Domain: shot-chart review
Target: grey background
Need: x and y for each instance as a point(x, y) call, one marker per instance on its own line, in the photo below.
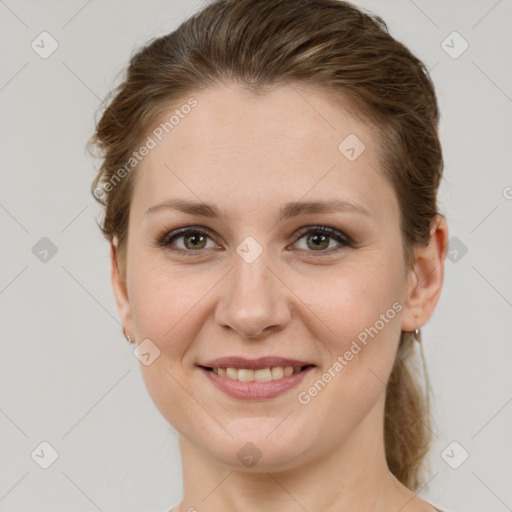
point(68, 377)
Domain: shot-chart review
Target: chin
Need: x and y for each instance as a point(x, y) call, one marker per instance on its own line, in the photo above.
point(259, 444)
point(260, 457)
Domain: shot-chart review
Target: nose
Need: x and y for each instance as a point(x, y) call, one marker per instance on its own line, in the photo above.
point(254, 301)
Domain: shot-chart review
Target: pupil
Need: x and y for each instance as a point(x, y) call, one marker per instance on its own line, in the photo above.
point(193, 238)
point(319, 237)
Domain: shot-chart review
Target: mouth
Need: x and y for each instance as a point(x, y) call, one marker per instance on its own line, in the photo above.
point(255, 380)
point(259, 375)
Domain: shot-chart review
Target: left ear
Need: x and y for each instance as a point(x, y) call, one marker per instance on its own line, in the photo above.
point(426, 277)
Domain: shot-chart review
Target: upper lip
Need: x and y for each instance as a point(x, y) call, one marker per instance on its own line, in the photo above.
point(253, 364)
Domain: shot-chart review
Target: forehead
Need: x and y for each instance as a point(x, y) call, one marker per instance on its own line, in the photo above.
point(238, 147)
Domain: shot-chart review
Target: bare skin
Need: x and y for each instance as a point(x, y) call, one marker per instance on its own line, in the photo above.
point(249, 155)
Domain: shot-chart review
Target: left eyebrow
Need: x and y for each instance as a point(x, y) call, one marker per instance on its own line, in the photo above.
point(288, 211)
point(296, 208)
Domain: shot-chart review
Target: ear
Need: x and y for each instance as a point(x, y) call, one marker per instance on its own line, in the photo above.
point(426, 277)
point(118, 279)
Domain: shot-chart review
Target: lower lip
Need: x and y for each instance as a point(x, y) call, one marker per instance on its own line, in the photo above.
point(255, 390)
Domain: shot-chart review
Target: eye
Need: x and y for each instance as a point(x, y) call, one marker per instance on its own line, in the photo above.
point(186, 241)
point(319, 238)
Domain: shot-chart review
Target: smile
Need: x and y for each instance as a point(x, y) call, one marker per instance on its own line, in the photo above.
point(259, 384)
point(261, 375)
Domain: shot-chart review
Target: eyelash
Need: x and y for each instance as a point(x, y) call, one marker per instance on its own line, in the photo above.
point(165, 240)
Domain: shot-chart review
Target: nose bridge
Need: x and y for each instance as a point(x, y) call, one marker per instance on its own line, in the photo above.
point(255, 301)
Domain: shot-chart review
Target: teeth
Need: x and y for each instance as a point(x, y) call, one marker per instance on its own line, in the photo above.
point(232, 373)
point(245, 375)
point(288, 370)
point(261, 375)
point(277, 373)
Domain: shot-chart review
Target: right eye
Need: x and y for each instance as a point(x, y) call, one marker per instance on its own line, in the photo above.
point(193, 240)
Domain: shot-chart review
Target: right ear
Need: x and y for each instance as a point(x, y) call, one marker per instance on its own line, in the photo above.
point(118, 279)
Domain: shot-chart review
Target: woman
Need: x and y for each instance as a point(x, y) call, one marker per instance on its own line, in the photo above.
point(269, 178)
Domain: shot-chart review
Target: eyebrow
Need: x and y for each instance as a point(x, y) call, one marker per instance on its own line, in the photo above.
point(288, 211)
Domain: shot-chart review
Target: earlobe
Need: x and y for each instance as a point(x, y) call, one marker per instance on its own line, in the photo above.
point(426, 278)
point(118, 279)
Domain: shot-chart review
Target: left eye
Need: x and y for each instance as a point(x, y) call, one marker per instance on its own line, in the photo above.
point(319, 238)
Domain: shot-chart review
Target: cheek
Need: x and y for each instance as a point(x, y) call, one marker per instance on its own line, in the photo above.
point(355, 297)
point(360, 309)
point(166, 308)
point(166, 302)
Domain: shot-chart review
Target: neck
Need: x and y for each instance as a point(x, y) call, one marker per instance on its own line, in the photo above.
point(352, 476)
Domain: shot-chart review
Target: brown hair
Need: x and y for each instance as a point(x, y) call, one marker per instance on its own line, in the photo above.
point(331, 45)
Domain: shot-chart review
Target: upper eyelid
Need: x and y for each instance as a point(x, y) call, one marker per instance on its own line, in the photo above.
point(180, 232)
point(321, 228)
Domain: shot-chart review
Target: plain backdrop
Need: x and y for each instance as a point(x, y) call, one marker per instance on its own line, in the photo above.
point(68, 378)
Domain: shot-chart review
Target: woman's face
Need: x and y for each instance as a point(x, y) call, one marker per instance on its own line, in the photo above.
point(264, 279)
